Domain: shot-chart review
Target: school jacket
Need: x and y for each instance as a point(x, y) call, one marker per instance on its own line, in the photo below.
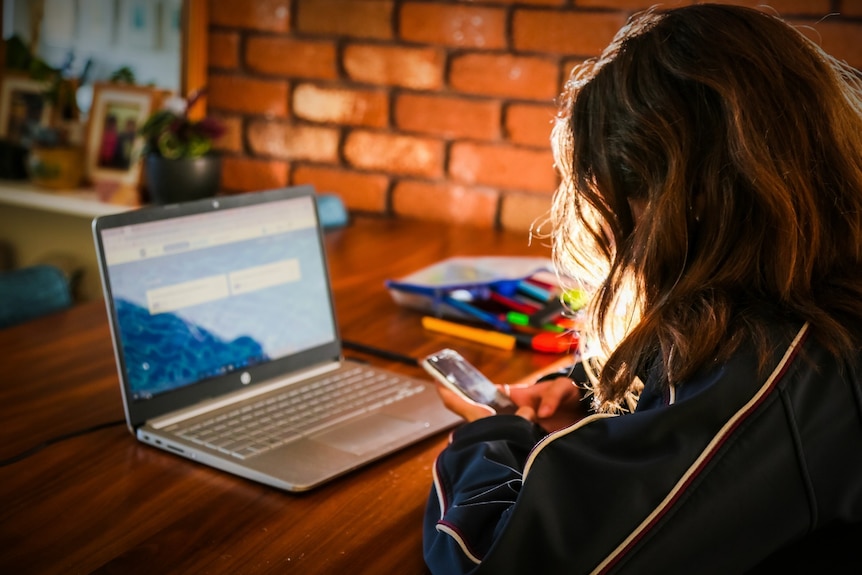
point(717, 475)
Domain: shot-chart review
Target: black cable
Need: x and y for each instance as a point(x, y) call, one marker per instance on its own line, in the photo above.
point(381, 353)
point(37, 448)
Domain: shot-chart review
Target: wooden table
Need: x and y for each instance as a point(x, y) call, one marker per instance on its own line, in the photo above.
point(102, 502)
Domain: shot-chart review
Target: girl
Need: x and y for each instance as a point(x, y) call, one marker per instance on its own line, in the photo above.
point(711, 164)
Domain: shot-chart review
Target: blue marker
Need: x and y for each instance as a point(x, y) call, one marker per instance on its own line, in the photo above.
point(534, 291)
point(477, 313)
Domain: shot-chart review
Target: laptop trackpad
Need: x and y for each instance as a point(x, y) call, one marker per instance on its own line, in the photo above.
point(368, 433)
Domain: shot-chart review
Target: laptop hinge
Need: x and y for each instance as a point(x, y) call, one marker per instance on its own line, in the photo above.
point(239, 395)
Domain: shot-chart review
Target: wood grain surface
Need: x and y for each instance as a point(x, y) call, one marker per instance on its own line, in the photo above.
point(104, 503)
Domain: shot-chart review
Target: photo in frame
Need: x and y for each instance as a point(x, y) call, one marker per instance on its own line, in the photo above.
point(23, 106)
point(113, 145)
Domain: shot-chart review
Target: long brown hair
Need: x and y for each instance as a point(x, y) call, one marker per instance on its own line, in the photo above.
point(741, 140)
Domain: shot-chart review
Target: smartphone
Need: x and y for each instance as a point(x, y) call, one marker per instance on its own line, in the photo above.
point(451, 369)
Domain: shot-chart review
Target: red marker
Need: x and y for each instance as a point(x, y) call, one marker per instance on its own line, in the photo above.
point(547, 342)
point(513, 304)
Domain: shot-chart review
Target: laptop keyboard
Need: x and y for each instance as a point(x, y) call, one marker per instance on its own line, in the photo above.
point(278, 419)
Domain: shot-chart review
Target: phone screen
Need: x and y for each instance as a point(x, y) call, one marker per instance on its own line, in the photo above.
point(452, 370)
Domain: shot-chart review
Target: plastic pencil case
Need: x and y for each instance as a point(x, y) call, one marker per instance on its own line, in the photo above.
point(463, 279)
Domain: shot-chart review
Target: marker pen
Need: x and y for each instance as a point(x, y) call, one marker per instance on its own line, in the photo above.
point(522, 319)
point(547, 314)
point(532, 290)
point(545, 342)
point(513, 304)
point(477, 313)
point(488, 337)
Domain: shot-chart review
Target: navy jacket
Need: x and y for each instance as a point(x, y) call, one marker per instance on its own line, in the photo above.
point(713, 476)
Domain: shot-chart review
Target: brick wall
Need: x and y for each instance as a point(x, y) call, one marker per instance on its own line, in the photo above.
point(436, 110)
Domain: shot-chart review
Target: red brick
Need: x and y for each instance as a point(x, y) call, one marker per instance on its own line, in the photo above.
point(394, 153)
point(568, 65)
point(223, 51)
point(786, 8)
point(782, 7)
point(632, 5)
point(247, 174)
point(528, 2)
point(446, 203)
point(360, 192)
point(557, 32)
point(851, 8)
point(503, 167)
point(345, 18)
point(233, 93)
point(341, 105)
point(450, 117)
point(505, 75)
point(268, 15)
point(231, 140)
point(842, 40)
point(284, 56)
point(529, 124)
point(453, 25)
point(293, 142)
point(521, 212)
point(417, 68)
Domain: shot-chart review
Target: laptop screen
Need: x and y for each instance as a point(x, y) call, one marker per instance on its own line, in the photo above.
point(200, 296)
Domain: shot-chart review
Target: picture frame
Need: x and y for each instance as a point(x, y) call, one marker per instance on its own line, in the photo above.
point(112, 145)
point(138, 24)
point(22, 105)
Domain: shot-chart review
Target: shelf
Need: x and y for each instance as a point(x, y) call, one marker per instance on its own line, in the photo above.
point(81, 202)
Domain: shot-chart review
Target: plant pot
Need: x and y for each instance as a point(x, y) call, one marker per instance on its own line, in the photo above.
point(59, 168)
point(181, 180)
point(13, 161)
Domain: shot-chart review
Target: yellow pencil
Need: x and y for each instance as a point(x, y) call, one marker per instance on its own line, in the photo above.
point(485, 336)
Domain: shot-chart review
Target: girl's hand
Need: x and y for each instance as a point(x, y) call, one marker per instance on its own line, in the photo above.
point(469, 410)
point(552, 404)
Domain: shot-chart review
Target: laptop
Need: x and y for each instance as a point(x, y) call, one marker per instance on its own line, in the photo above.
point(228, 349)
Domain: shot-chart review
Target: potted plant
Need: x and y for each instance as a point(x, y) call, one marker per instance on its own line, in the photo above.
point(179, 162)
point(42, 146)
point(53, 162)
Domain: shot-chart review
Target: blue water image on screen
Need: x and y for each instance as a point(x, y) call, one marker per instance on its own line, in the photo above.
point(164, 351)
